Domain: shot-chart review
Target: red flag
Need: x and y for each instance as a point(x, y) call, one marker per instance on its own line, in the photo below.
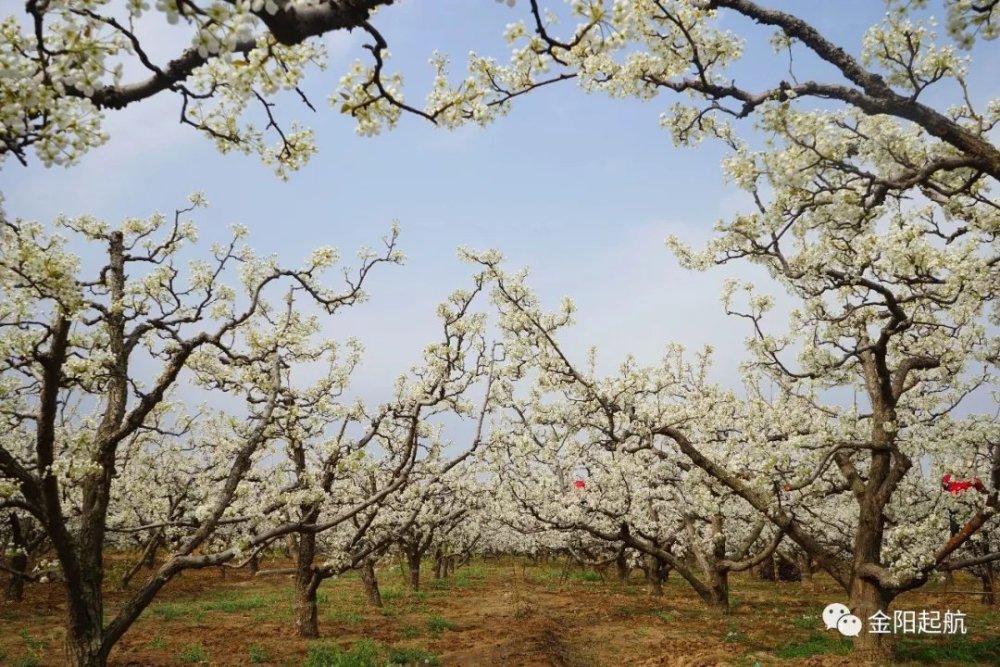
point(960, 486)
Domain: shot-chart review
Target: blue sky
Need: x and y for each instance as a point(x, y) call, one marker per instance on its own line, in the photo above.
point(580, 188)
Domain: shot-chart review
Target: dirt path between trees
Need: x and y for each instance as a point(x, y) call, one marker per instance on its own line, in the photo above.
point(491, 614)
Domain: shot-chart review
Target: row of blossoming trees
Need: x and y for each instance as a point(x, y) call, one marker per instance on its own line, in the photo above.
point(199, 414)
point(101, 453)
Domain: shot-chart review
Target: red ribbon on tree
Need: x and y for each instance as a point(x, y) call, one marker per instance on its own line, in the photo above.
point(962, 485)
point(580, 484)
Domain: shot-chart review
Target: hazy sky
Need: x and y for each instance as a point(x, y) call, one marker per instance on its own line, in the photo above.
point(580, 188)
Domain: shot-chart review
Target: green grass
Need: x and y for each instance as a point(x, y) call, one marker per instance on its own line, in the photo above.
point(367, 653)
point(344, 616)
point(158, 642)
point(410, 632)
point(631, 611)
point(390, 594)
point(193, 654)
point(464, 579)
point(227, 603)
point(29, 659)
point(587, 575)
point(258, 654)
point(815, 644)
point(474, 571)
point(547, 573)
point(664, 616)
point(412, 656)
point(235, 603)
point(173, 610)
point(806, 622)
point(436, 624)
point(956, 648)
point(33, 645)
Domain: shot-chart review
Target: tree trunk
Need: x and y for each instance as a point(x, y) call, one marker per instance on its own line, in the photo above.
point(149, 560)
point(254, 564)
point(805, 567)
point(18, 562)
point(438, 563)
point(867, 597)
point(84, 649)
point(413, 563)
point(15, 588)
point(654, 575)
point(867, 594)
point(306, 616)
point(621, 567)
point(370, 582)
point(718, 577)
point(719, 591)
point(306, 584)
point(989, 579)
point(84, 630)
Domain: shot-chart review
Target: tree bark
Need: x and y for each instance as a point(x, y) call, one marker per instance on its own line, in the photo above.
point(718, 586)
point(621, 567)
point(413, 564)
point(370, 582)
point(654, 575)
point(867, 597)
point(82, 558)
point(149, 561)
point(989, 579)
point(18, 562)
point(84, 631)
point(805, 567)
point(438, 563)
point(306, 584)
point(867, 594)
point(15, 587)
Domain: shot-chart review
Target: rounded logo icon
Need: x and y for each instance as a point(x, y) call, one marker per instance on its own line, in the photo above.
point(833, 613)
point(849, 625)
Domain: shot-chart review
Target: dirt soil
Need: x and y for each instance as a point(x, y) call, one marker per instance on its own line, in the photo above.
point(496, 613)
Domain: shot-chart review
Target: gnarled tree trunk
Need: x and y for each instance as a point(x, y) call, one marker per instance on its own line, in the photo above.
point(655, 575)
point(438, 563)
point(867, 595)
point(85, 628)
point(15, 587)
point(413, 566)
point(621, 566)
point(867, 598)
point(370, 582)
point(306, 585)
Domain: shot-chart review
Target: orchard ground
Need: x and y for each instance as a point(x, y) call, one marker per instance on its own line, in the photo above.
point(502, 612)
